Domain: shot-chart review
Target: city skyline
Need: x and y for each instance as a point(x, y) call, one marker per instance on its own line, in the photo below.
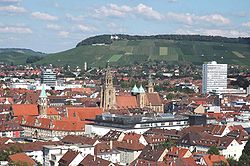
point(54, 26)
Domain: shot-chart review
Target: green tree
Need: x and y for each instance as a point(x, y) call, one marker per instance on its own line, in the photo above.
point(244, 160)
point(4, 154)
point(168, 144)
point(213, 150)
point(232, 162)
point(246, 149)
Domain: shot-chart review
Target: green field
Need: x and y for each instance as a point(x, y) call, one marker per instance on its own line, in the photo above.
point(163, 50)
point(126, 52)
point(115, 58)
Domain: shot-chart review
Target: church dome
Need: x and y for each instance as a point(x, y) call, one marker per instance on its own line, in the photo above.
point(135, 89)
point(141, 89)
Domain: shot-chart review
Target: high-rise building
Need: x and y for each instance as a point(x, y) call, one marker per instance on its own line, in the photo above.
point(49, 77)
point(214, 77)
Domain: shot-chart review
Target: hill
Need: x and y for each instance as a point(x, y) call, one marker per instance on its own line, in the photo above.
point(18, 55)
point(96, 51)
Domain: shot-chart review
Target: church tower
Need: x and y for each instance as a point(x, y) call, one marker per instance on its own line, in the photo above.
point(108, 99)
point(141, 97)
point(43, 102)
point(150, 84)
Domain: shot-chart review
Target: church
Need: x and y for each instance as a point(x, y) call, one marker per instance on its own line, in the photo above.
point(138, 98)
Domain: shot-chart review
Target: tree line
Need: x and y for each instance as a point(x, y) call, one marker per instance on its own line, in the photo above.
point(106, 38)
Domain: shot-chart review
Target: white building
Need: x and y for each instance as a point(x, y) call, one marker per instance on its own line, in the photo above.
point(49, 77)
point(53, 153)
point(136, 123)
point(214, 77)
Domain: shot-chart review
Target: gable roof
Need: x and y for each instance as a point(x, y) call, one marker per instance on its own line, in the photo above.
point(132, 137)
point(152, 153)
point(23, 158)
point(126, 102)
point(25, 109)
point(68, 157)
point(131, 146)
point(211, 160)
point(154, 99)
point(90, 160)
point(82, 113)
point(4, 140)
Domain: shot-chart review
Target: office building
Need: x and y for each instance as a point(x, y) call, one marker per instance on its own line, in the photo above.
point(214, 77)
point(49, 78)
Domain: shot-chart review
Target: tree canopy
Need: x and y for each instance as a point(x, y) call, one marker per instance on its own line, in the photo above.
point(213, 150)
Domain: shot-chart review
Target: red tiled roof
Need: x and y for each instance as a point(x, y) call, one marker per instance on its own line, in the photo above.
point(214, 159)
point(63, 125)
point(23, 158)
point(52, 111)
point(93, 160)
point(3, 140)
point(126, 102)
point(134, 146)
point(82, 113)
point(25, 109)
point(68, 157)
point(154, 99)
point(132, 137)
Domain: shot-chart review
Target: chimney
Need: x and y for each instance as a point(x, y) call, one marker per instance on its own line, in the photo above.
point(153, 147)
point(94, 157)
point(111, 144)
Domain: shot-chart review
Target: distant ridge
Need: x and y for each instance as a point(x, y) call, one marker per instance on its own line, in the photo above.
point(108, 39)
point(120, 49)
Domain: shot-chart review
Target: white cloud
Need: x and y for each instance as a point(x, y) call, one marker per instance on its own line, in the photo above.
point(54, 26)
point(114, 10)
point(11, 8)
point(74, 18)
point(63, 34)
point(246, 24)
point(148, 12)
point(86, 28)
point(13, 1)
point(15, 29)
point(44, 16)
point(213, 32)
point(214, 18)
point(188, 18)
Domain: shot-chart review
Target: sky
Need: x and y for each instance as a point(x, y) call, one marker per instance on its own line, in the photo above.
point(56, 25)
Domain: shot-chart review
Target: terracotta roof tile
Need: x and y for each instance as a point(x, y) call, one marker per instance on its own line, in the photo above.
point(126, 102)
point(154, 99)
point(25, 109)
point(23, 158)
point(90, 160)
point(68, 157)
point(214, 160)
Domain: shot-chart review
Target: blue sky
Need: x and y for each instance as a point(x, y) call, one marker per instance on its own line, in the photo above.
point(57, 25)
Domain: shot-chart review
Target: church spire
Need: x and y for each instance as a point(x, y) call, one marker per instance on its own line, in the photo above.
point(43, 102)
point(108, 77)
point(43, 92)
point(150, 84)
